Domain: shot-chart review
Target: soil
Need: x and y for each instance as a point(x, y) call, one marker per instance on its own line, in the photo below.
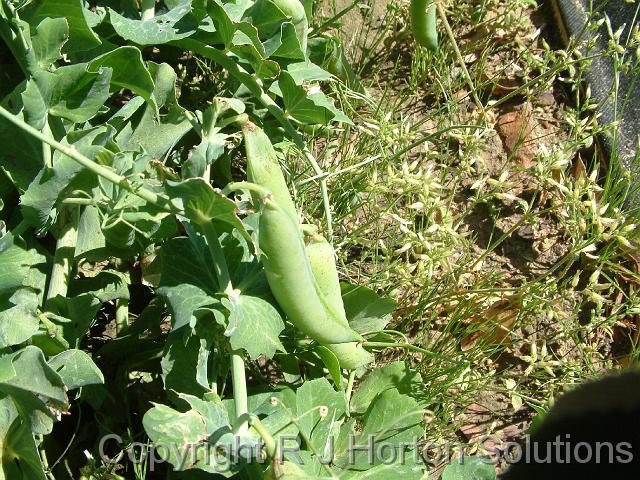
point(520, 129)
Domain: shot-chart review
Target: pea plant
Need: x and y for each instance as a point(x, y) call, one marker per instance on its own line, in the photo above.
point(157, 281)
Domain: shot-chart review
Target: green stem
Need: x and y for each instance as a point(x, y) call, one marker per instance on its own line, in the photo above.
point(239, 382)
point(78, 201)
point(463, 66)
point(406, 346)
point(270, 444)
point(330, 22)
point(251, 83)
point(251, 187)
point(122, 315)
point(148, 9)
point(238, 375)
point(349, 392)
point(104, 172)
point(65, 253)
point(46, 148)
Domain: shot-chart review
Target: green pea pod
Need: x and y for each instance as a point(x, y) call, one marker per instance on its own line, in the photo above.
point(295, 10)
point(264, 169)
point(423, 23)
point(313, 305)
point(292, 282)
point(323, 265)
point(351, 355)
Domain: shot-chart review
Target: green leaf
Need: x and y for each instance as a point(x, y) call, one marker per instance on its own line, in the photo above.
point(78, 310)
point(40, 199)
point(47, 41)
point(173, 25)
point(20, 457)
point(333, 365)
point(285, 44)
point(250, 315)
point(186, 282)
point(76, 369)
point(215, 416)
point(155, 136)
point(90, 236)
point(305, 107)
point(174, 432)
point(185, 363)
point(470, 468)
point(81, 37)
point(394, 375)
point(307, 71)
point(18, 323)
point(35, 379)
point(225, 27)
point(309, 398)
point(129, 71)
point(201, 203)
point(21, 154)
point(393, 417)
point(365, 309)
point(74, 93)
point(21, 288)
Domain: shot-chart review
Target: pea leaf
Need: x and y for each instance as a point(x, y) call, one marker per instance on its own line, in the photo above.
point(310, 397)
point(129, 71)
point(40, 199)
point(394, 375)
point(201, 203)
point(81, 37)
point(176, 432)
point(20, 458)
point(48, 39)
point(76, 369)
point(366, 310)
point(306, 107)
point(249, 315)
point(173, 25)
point(156, 136)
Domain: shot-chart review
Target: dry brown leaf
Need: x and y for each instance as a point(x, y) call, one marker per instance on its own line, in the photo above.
point(579, 169)
point(516, 130)
point(496, 323)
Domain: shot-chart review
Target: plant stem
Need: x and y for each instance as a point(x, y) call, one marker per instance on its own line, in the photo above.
point(148, 9)
point(239, 382)
point(463, 66)
point(406, 346)
point(104, 172)
point(238, 376)
point(349, 392)
point(122, 315)
point(46, 148)
point(270, 444)
point(251, 83)
point(65, 252)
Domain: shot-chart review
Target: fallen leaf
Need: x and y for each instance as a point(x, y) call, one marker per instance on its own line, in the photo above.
point(495, 323)
point(516, 130)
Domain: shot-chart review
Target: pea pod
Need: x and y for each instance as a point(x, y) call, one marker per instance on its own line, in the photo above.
point(423, 23)
point(287, 266)
point(264, 169)
point(292, 282)
point(323, 265)
point(295, 10)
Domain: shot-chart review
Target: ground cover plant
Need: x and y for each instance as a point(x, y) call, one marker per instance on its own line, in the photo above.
point(240, 237)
